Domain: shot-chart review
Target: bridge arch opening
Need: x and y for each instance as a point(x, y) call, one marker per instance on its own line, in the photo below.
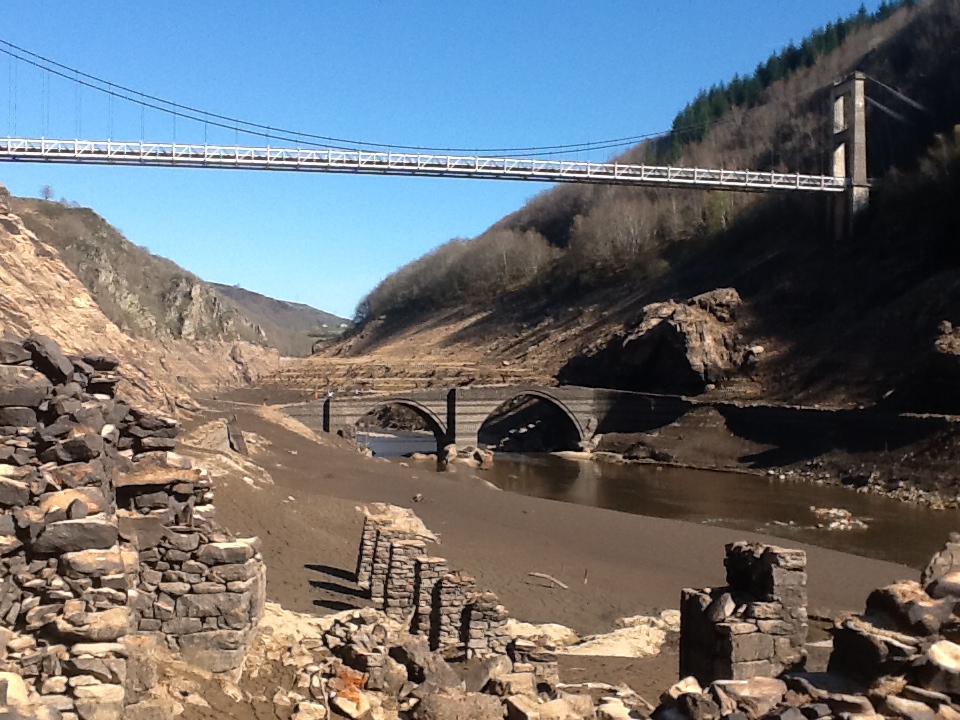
point(401, 427)
point(531, 422)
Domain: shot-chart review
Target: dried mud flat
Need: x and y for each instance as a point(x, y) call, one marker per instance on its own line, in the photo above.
point(310, 528)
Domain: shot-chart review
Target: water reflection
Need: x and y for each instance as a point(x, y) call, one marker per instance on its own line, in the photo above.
point(897, 531)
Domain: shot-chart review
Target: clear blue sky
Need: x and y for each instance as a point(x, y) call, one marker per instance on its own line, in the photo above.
point(487, 74)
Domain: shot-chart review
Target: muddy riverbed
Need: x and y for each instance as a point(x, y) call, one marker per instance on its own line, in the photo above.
point(895, 531)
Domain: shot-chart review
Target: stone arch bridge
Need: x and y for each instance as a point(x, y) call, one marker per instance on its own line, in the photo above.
point(456, 415)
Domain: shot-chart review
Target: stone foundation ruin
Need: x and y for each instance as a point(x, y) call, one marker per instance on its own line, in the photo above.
point(107, 541)
point(754, 626)
point(441, 605)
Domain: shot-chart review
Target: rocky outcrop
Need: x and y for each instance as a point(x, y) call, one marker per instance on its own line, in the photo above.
point(143, 294)
point(41, 295)
point(676, 347)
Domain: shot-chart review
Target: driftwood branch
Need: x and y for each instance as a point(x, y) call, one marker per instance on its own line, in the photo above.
point(550, 578)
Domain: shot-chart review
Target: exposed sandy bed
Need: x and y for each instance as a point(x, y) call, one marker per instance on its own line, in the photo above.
point(632, 564)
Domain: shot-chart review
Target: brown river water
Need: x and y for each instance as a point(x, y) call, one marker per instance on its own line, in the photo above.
point(895, 531)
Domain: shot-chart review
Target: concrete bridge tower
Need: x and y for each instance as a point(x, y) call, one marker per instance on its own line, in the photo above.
point(850, 150)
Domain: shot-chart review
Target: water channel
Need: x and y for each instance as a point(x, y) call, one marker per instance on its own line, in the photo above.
point(896, 531)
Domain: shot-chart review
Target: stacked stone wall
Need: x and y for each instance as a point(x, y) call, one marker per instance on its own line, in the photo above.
point(486, 626)
point(450, 624)
point(754, 626)
point(440, 604)
point(401, 577)
point(73, 563)
point(203, 593)
point(427, 573)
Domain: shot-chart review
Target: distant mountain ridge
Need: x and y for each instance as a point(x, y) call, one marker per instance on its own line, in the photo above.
point(295, 325)
point(149, 296)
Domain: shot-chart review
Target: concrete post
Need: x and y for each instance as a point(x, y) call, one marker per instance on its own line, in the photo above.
point(850, 150)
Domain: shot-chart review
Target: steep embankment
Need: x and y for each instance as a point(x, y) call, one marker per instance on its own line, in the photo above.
point(149, 296)
point(41, 294)
point(592, 271)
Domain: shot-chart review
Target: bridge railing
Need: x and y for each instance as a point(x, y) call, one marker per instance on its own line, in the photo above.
point(111, 152)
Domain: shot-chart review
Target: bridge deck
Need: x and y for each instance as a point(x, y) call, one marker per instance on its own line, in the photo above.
point(329, 160)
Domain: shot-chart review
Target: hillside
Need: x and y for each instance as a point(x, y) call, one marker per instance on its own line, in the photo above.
point(559, 288)
point(149, 296)
point(292, 328)
point(42, 295)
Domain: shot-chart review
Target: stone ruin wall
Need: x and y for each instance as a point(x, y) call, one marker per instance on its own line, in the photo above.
point(107, 542)
point(408, 584)
point(754, 626)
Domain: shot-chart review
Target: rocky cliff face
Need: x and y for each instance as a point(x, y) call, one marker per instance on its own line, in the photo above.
point(143, 294)
point(39, 293)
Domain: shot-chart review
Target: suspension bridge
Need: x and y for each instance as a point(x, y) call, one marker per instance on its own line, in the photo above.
point(283, 150)
point(333, 160)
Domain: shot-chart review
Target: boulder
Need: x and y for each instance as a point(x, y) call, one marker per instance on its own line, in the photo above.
point(909, 608)
point(22, 387)
point(940, 668)
point(677, 347)
point(49, 359)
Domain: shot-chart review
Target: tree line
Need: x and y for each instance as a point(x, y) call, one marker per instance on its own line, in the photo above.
point(691, 123)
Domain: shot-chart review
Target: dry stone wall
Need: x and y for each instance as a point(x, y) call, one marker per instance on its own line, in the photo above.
point(440, 604)
point(754, 626)
point(102, 528)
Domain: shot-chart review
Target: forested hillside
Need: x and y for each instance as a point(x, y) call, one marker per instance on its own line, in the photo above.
point(573, 239)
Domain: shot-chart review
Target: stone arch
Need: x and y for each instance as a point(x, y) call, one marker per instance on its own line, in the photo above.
point(437, 425)
point(540, 395)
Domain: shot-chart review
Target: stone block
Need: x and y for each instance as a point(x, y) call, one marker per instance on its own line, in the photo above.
point(212, 605)
point(91, 563)
point(234, 572)
point(749, 648)
point(752, 669)
point(225, 553)
point(182, 626)
point(76, 535)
